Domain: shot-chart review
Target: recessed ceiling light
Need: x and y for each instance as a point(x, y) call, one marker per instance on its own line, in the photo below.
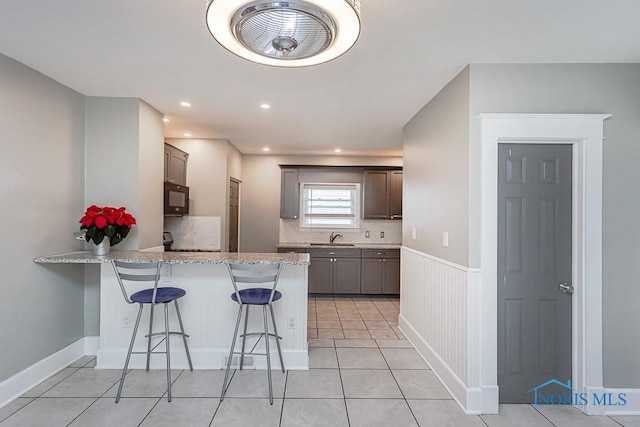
point(165, 120)
point(187, 134)
point(338, 150)
point(266, 149)
point(265, 106)
point(185, 104)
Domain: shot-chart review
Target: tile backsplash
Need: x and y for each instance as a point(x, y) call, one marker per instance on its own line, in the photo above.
point(290, 232)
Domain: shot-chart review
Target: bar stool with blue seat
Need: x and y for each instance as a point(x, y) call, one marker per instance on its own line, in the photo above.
point(149, 272)
point(254, 274)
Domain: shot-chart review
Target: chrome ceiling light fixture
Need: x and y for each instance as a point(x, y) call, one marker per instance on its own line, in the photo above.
point(294, 33)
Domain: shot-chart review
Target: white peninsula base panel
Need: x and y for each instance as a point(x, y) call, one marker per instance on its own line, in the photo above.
point(209, 317)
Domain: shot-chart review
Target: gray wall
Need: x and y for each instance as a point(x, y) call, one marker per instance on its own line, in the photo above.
point(124, 164)
point(150, 176)
point(436, 174)
point(585, 88)
point(442, 186)
point(42, 199)
point(260, 193)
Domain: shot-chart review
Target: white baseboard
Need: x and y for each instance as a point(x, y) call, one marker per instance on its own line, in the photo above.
point(613, 401)
point(631, 395)
point(490, 399)
point(200, 358)
point(91, 345)
point(28, 378)
point(447, 377)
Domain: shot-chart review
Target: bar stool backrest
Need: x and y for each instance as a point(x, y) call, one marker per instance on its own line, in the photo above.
point(137, 272)
point(249, 275)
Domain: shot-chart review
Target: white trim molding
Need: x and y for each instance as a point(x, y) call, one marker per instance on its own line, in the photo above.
point(25, 380)
point(585, 133)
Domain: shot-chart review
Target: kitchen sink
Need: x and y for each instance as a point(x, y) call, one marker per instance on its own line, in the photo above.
point(332, 244)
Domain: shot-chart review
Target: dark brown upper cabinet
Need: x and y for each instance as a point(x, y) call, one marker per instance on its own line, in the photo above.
point(175, 165)
point(382, 194)
point(289, 193)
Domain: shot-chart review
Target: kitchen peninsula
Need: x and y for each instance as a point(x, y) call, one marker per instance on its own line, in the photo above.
point(207, 310)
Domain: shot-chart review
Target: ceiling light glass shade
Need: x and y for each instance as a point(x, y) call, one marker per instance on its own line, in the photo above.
point(294, 33)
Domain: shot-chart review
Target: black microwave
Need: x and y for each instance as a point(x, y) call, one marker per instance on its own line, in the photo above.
point(176, 199)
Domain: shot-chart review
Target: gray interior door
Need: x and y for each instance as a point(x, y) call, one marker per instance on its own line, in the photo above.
point(534, 258)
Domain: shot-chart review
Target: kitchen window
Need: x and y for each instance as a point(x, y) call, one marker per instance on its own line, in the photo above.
point(329, 205)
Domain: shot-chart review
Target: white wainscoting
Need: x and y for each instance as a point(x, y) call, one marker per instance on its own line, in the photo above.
point(209, 317)
point(439, 317)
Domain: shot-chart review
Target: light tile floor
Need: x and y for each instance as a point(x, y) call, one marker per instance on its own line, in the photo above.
point(360, 381)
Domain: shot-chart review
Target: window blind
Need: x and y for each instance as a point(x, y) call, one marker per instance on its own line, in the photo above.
point(330, 205)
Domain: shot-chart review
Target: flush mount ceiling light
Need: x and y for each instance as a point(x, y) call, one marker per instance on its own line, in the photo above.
point(292, 33)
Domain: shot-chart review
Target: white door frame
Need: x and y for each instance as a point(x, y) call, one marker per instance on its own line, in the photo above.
point(585, 133)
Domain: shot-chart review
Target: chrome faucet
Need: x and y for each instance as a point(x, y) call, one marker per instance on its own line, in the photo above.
point(333, 237)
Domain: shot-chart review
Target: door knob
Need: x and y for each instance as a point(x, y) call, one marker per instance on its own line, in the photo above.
point(567, 288)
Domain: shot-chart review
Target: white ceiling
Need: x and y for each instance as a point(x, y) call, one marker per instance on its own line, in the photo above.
point(161, 51)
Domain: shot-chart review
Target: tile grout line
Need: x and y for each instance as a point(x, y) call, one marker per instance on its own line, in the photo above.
point(94, 402)
point(398, 384)
point(543, 415)
point(344, 395)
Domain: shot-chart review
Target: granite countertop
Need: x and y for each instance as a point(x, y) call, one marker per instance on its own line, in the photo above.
point(306, 245)
point(86, 257)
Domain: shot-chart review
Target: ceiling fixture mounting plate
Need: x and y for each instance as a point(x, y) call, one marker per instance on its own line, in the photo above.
point(294, 33)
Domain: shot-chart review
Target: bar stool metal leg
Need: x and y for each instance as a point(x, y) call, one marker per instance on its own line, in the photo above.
point(166, 337)
point(184, 336)
point(275, 330)
point(244, 337)
point(149, 336)
point(266, 343)
point(126, 363)
point(225, 384)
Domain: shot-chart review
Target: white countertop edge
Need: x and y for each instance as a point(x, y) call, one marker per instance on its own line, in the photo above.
point(86, 257)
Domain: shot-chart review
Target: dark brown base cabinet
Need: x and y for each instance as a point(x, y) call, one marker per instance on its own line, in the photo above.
point(352, 271)
point(334, 271)
point(380, 274)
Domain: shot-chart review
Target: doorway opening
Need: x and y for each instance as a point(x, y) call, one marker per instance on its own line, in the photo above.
point(234, 214)
point(585, 133)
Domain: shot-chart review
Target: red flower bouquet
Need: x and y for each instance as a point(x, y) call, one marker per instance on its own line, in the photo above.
point(107, 221)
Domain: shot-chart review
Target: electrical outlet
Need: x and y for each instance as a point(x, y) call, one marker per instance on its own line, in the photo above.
point(235, 361)
point(445, 239)
point(166, 272)
point(414, 234)
point(125, 322)
point(367, 234)
point(292, 323)
point(382, 234)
